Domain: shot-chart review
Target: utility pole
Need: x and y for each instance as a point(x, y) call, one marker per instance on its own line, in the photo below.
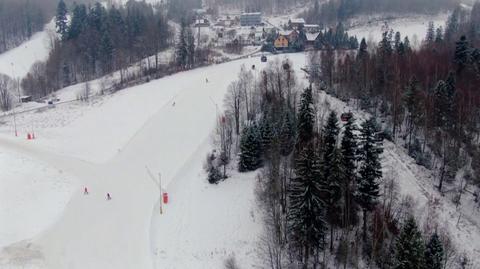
point(159, 184)
point(18, 90)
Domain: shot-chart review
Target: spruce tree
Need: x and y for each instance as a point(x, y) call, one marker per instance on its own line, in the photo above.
point(306, 225)
point(409, 247)
point(462, 52)
point(332, 171)
point(430, 33)
point(306, 118)
point(347, 160)
point(61, 20)
point(250, 149)
point(181, 48)
point(370, 169)
point(287, 134)
point(434, 253)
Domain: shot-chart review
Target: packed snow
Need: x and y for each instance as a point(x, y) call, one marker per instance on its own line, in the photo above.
point(33, 196)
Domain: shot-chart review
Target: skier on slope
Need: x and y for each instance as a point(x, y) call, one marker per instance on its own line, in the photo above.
point(85, 191)
point(108, 196)
point(206, 79)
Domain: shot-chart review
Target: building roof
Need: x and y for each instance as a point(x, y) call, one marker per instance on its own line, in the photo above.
point(252, 14)
point(298, 21)
point(311, 37)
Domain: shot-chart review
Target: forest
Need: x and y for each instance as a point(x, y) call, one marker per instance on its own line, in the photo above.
point(334, 11)
point(97, 41)
point(20, 19)
point(320, 183)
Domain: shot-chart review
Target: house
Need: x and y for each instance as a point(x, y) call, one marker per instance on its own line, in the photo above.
point(312, 28)
point(202, 23)
point(296, 23)
point(291, 35)
point(311, 39)
point(251, 19)
point(25, 98)
point(281, 42)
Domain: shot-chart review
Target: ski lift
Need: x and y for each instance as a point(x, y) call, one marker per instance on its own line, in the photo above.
point(263, 59)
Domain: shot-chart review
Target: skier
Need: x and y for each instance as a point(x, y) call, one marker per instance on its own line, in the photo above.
point(206, 79)
point(108, 196)
point(85, 191)
point(173, 104)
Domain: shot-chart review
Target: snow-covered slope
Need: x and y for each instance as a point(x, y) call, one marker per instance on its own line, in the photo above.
point(25, 55)
point(413, 27)
point(165, 125)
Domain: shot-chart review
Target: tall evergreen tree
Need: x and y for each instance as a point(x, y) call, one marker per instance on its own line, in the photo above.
point(434, 253)
point(61, 20)
point(332, 171)
point(306, 118)
point(348, 160)
point(410, 247)
point(306, 225)
point(287, 134)
point(250, 149)
point(462, 52)
point(370, 170)
point(181, 48)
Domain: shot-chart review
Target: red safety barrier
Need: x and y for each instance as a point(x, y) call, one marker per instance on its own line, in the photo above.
point(165, 198)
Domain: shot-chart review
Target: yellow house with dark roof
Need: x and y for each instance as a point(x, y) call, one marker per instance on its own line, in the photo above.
point(281, 42)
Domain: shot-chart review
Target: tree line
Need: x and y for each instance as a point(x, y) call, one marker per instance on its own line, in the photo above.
point(321, 188)
point(334, 11)
point(429, 96)
point(98, 40)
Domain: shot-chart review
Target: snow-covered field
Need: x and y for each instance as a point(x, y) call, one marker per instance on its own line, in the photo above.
point(33, 195)
point(25, 55)
point(106, 144)
point(413, 27)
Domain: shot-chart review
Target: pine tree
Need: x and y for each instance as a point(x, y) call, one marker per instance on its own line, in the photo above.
point(434, 253)
point(77, 24)
point(462, 52)
point(410, 247)
point(61, 20)
point(439, 35)
point(306, 225)
point(330, 134)
point(348, 159)
point(306, 118)
point(214, 176)
point(190, 47)
point(413, 104)
point(406, 44)
point(363, 50)
point(266, 134)
point(430, 33)
point(287, 134)
point(106, 52)
point(250, 149)
point(181, 48)
point(370, 169)
point(332, 172)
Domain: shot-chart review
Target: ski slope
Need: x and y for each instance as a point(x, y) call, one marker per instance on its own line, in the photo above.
point(29, 52)
point(413, 27)
point(166, 124)
point(134, 128)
